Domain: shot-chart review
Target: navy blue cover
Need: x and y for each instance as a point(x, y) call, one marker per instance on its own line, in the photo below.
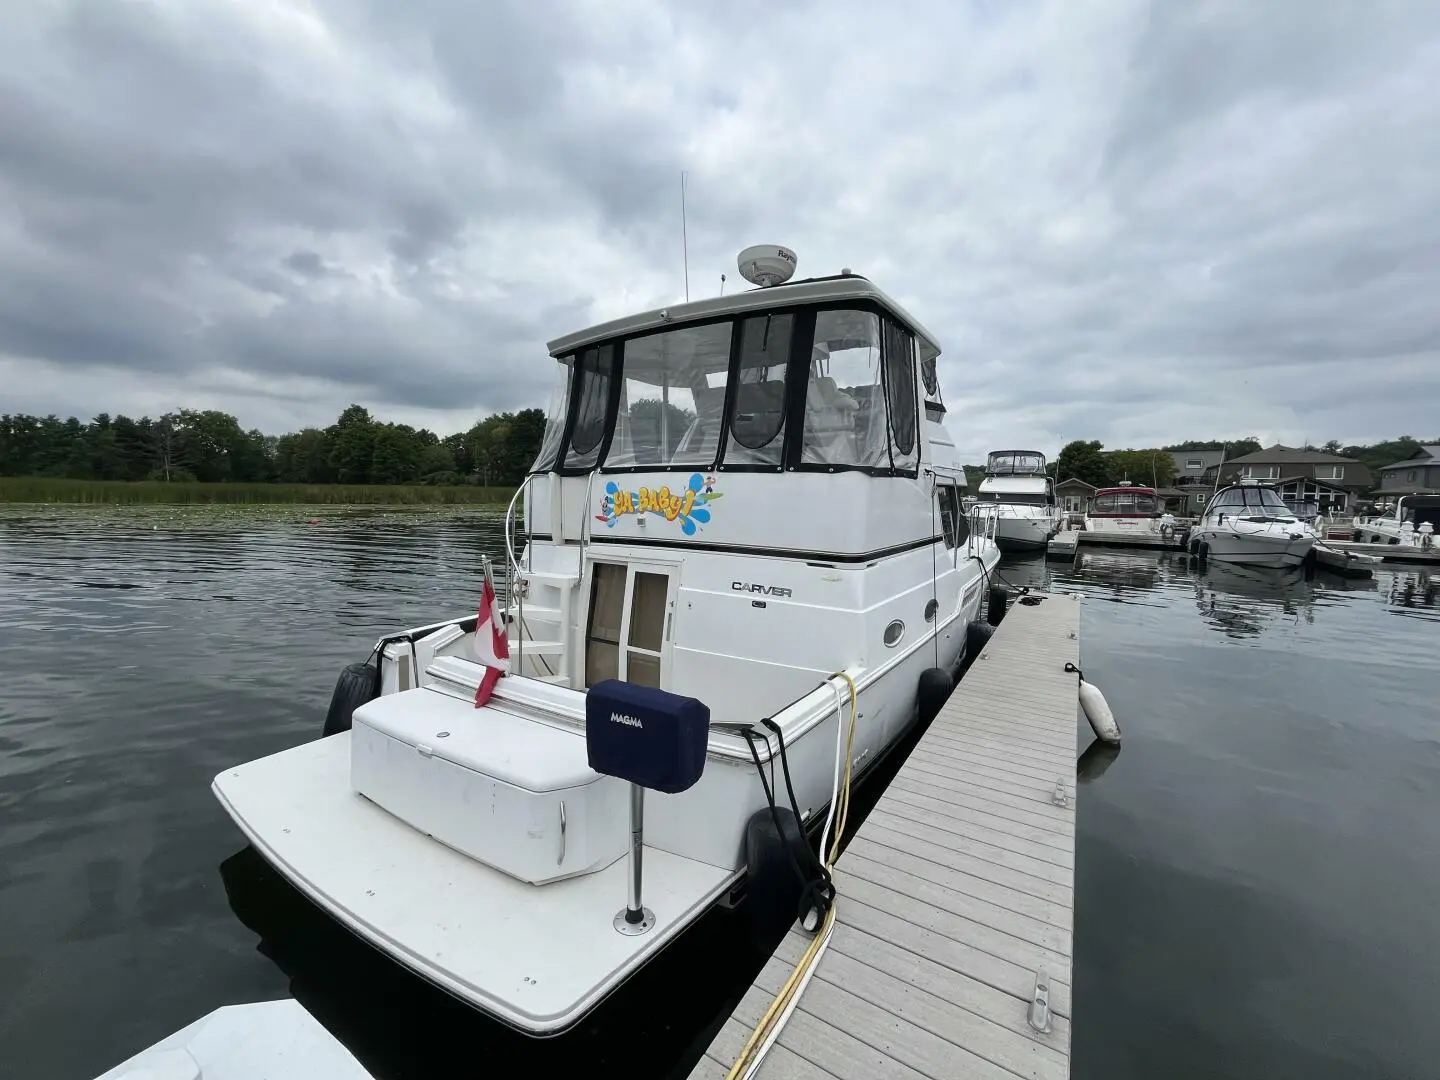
point(650, 737)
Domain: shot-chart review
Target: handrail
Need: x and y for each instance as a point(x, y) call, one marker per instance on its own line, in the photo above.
point(510, 561)
point(584, 528)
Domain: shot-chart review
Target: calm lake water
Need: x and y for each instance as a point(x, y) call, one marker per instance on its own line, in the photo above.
point(1257, 869)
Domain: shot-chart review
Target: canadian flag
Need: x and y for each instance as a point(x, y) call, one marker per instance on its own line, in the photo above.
point(492, 648)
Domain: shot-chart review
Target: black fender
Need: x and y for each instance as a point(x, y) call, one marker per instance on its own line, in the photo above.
point(772, 887)
point(358, 683)
point(932, 693)
point(977, 636)
point(995, 604)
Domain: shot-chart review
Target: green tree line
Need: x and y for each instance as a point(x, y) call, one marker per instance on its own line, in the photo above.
point(211, 447)
point(1088, 460)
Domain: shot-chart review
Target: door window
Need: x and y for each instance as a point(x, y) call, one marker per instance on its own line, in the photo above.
point(630, 606)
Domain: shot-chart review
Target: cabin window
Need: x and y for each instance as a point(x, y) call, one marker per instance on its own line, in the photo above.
point(593, 370)
point(671, 398)
point(900, 395)
point(555, 420)
point(757, 416)
point(1125, 504)
point(845, 423)
point(953, 522)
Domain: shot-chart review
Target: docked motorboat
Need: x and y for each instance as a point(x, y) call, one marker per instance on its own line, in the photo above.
point(1411, 522)
point(746, 515)
point(1129, 510)
point(1020, 495)
point(1248, 523)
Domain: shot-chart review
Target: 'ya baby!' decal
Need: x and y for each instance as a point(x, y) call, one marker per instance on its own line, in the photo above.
point(687, 506)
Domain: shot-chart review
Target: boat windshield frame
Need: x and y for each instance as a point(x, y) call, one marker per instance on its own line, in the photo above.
point(1119, 510)
point(1250, 508)
point(878, 428)
point(1015, 463)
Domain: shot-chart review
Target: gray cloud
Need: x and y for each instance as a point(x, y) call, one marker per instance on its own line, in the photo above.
point(1137, 223)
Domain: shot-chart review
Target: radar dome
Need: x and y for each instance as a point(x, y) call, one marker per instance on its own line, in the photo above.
point(767, 264)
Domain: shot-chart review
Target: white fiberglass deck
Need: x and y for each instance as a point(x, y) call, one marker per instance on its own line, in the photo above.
point(517, 950)
point(955, 892)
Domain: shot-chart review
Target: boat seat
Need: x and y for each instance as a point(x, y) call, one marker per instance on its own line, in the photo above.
point(830, 415)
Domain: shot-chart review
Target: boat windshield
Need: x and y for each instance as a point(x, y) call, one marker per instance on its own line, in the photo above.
point(1125, 504)
point(1253, 502)
point(718, 394)
point(672, 395)
point(1015, 463)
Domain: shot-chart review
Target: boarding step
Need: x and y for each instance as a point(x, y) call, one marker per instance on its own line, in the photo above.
point(537, 613)
point(539, 647)
point(546, 577)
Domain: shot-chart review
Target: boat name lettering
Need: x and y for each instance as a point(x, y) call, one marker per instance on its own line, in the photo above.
point(767, 590)
point(628, 721)
point(688, 506)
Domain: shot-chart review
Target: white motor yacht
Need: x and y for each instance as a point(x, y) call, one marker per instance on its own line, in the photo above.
point(1248, 523)
point(1125, 510)
point(745, 510)
point(1020, 495)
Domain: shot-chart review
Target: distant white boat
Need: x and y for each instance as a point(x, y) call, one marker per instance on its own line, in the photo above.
point(1411, 522)
point(1020, 496)
point(1248, 523)
point(748, 502)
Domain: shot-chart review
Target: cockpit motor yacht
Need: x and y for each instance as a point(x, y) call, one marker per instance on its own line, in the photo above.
point(750, 502)
point(1020, 495)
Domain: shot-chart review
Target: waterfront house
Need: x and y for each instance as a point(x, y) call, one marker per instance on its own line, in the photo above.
point(1195, 478)
point(1074, 495)
point(1417, 474)
point(1309, 481)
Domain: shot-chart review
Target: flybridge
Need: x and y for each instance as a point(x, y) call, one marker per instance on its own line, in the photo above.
point(1015, 463)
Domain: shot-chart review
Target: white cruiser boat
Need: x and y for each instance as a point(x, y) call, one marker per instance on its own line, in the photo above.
point(749, 503)
point(1411, 522)
point(1128, 510)
point(1248, 523)
point(1020, 496)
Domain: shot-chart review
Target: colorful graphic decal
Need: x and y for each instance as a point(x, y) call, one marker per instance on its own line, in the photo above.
point(687, 506)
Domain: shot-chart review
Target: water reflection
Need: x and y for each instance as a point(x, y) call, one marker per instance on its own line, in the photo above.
point(1415, 593)
point(1240, 601)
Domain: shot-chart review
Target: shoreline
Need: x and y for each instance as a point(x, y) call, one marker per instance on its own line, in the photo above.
point(48, 491)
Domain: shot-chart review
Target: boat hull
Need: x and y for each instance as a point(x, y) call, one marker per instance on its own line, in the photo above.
point(1024, 534)
point(1274, 552)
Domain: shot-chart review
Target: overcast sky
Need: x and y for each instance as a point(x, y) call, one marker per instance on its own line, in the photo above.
point(1125, 221)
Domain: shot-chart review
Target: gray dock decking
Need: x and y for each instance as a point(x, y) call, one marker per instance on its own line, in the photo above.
point(954, 893)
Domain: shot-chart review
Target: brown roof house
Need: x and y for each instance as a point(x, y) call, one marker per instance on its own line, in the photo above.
point(1309, 481)
point(1419, 473)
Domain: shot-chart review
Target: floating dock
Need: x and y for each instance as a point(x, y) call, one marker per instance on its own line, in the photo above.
point(955, 899)
point(1064, 545)
point(1404, 553)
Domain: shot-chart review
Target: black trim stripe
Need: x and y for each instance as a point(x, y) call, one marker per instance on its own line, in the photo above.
point(772, 553)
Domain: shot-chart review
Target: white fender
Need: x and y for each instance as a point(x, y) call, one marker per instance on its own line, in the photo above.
point(1097, 711)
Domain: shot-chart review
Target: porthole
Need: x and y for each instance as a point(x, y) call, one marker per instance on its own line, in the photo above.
point(931, 606)
point(893, 633)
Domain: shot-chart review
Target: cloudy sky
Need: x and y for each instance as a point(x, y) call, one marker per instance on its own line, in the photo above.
point(1138, 222)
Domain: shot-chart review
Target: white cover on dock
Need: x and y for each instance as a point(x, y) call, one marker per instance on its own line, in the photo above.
point(268, 1040)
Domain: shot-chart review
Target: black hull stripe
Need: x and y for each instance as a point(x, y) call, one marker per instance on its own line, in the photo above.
point(772, 553)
